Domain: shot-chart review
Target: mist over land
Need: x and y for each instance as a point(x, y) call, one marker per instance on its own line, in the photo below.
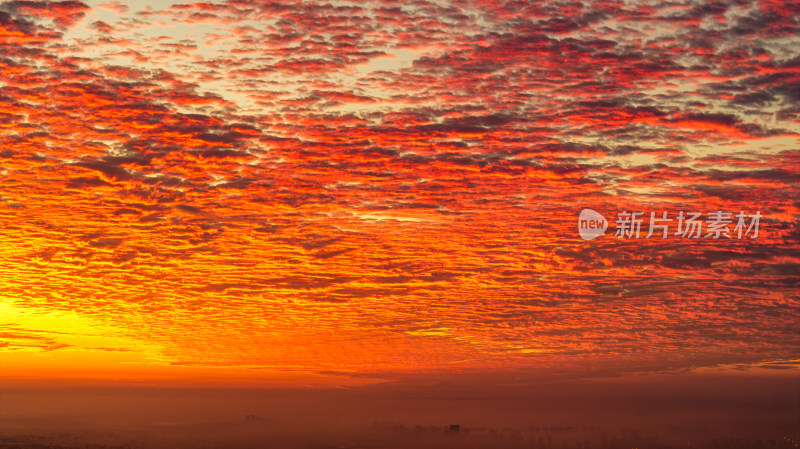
point(648, 411)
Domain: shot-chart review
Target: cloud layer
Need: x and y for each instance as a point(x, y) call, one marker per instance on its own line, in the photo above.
point(394, 186)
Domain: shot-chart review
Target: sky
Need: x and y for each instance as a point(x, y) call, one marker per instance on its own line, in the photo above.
point(344, 193)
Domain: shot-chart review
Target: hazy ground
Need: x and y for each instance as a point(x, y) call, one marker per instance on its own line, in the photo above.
point(675, 410)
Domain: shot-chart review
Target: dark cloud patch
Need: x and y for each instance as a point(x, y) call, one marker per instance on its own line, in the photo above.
point(111, 171)
point(754, 99)
point(106, 242)
point(86, 182)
